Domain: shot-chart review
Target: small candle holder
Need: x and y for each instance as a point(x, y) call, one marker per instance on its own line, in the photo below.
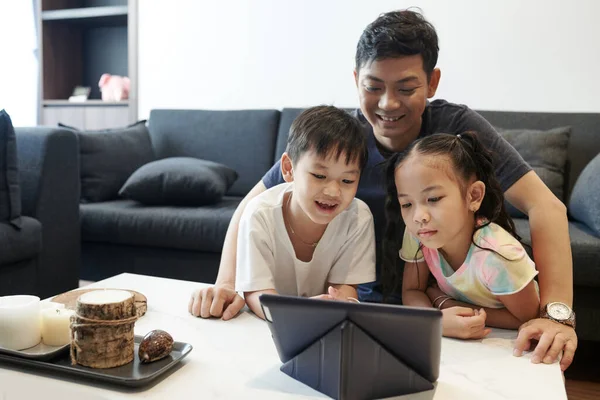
point(20, 326)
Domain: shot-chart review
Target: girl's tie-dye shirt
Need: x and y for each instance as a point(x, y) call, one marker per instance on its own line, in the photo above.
point(484, 275)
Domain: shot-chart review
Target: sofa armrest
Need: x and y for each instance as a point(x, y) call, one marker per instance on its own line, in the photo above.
point(49, 178)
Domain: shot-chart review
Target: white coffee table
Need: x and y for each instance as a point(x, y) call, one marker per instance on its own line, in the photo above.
point(237, 360)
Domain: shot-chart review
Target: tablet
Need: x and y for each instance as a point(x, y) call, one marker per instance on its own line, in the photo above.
point(412, 334)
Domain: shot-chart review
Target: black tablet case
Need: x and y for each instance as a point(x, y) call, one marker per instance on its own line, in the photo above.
point(340, 348)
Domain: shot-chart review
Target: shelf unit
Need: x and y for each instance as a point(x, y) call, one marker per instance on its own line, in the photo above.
point(79, 40)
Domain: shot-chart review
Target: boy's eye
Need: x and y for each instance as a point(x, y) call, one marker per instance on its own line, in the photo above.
point(405, 205)
point(371, 88)
point(347, 181)
point(318, 176)
point(407, 91)
point(434, 199)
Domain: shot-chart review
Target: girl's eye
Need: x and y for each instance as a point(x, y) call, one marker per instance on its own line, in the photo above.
point(348, 181)
point(318, 176)
point(434, 199)
point(405, 205)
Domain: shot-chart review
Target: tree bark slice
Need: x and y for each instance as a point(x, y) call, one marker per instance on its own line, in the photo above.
point(102, 329)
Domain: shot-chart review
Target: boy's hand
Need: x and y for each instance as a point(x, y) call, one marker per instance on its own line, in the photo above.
point(216, 301)
point(464, 323)
point(332, 294)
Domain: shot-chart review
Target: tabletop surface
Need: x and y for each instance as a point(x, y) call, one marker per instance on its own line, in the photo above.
point(237, 359)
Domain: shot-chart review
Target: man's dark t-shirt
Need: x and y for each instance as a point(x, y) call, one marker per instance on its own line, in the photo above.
point(439, 117)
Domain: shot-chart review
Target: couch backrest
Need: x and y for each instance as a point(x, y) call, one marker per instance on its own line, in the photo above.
point(241, 139)
point(584, 142)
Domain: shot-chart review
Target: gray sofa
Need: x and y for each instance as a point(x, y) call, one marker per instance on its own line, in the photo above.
point(43, 257)
point(185, 243)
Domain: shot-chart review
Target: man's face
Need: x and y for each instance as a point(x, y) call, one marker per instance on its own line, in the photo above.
point(393, 93)
point(324, 187)
point(433, 207)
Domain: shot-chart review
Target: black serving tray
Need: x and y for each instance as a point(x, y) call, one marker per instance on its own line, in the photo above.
point(134, 374)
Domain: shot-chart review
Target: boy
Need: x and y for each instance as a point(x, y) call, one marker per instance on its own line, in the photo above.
point(310, 236)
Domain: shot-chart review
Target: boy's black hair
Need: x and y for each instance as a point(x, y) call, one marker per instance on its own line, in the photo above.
point(328, 131)
point(468, 158)
point(396, 34)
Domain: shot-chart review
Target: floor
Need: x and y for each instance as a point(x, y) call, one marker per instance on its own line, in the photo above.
point(582, 378)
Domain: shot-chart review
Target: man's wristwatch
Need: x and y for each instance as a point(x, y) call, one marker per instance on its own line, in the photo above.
point(559, 312)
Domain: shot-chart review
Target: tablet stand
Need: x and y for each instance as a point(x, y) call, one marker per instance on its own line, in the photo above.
point(346, 363)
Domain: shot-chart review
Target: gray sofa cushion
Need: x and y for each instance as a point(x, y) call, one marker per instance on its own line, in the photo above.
point(109, 157)
point(244, 140)
point(20, 245)
point(131, 223)
point(179, 181)
point(545, 152)
point(10, 193)
point(584, 247)
point(584, 205)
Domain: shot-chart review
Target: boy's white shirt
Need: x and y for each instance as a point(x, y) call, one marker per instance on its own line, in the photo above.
point(266, 258)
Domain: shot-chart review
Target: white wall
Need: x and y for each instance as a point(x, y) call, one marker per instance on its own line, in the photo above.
point(18, 63)
point(535, 55)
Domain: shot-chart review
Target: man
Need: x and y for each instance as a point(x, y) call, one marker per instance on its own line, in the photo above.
point(395, 75)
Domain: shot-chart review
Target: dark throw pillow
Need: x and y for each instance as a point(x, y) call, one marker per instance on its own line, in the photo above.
point(584, 205)
point(109, 157)
point(545, 152)
point(179, 181)
point(10, 191)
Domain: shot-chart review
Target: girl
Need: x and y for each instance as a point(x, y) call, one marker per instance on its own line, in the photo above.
point(457, 229)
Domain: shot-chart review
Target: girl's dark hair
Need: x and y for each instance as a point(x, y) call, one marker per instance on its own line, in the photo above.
point(328, 130)
point(469, 158)
point(396, 34)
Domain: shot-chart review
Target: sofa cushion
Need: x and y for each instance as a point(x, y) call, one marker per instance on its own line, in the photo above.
point(545, 152)
point(179, 181)
point(131, 223)
point(241, 139)
point(584, 246)
point(10, 193)
point(584, 204)
point(109, 157)
point(22, 244)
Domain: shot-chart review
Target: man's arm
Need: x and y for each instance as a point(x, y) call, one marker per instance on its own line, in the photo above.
point(549, 237)
point(222, 299)
point(226, 274)
point(552, 253)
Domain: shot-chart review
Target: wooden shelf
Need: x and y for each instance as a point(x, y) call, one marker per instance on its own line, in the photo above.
point(87, 103)
point(106, 15)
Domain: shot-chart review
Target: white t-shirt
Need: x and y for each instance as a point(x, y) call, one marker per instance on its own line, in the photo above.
point(266, 258)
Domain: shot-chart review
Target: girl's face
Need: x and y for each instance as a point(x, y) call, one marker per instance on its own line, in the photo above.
point(434, 208)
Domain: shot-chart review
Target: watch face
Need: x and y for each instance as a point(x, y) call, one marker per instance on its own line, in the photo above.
point(559, 311)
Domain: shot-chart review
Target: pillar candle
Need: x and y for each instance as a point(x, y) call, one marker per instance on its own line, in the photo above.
point(56, 326)
point(19, 322)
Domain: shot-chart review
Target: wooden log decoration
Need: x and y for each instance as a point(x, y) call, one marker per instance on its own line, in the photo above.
point(102, 329)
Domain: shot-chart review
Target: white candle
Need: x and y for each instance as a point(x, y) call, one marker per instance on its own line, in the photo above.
point(19, 322)
point(56, 326)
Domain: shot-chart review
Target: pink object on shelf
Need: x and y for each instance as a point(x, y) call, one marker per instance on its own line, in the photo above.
point(114, 87)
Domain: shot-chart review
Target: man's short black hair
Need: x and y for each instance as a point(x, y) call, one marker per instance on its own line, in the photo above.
point(395, 34)
point(328, 131)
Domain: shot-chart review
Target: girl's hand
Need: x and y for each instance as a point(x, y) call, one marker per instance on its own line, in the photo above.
point(464, 323)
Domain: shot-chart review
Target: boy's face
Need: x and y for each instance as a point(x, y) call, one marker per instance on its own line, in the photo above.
point(433, 207)
point(393, 93)
point(323, 187)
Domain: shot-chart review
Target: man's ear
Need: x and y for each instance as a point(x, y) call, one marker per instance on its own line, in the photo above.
point(287, 168)
point(356, 77)
point(475, 195)
point(434, 81)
